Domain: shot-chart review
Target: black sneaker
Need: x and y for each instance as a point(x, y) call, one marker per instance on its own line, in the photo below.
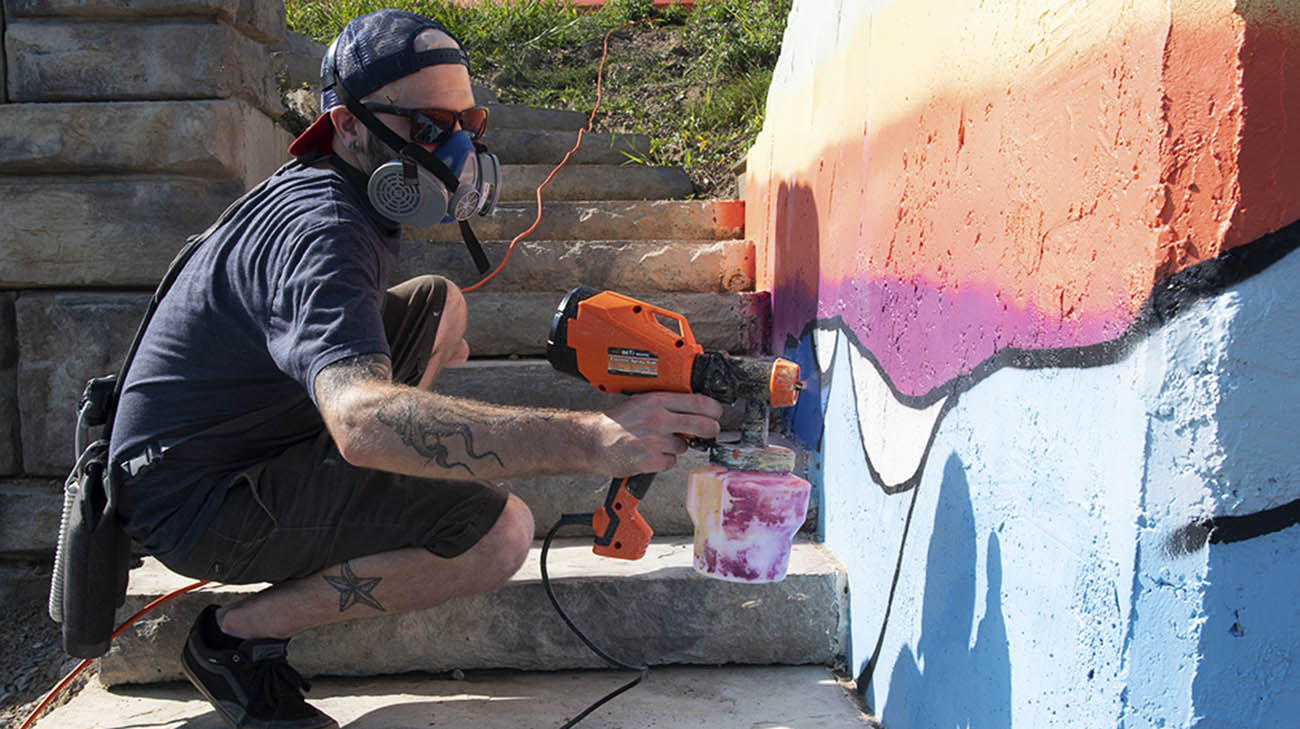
point(252, 686)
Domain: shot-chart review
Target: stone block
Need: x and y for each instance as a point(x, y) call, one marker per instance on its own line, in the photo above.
point(227, 138)
point(604, 220)
point(65, 339)
point(297, 60)
point(668, 265)
point(114, 232)
point(24, 578)
point(518, 323)
point(594, 182)
point(263, 20)
point(10, 442)
point(656, 610)
point(548, 147)
point(72, 62)
point(30, 510)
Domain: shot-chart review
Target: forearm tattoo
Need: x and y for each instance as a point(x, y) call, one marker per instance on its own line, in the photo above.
point(422, 431)
point(353, 589)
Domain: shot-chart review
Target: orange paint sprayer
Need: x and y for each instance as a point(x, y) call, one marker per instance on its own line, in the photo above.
point(748, 504)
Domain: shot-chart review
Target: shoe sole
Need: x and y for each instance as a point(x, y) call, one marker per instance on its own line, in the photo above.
point(216, 705)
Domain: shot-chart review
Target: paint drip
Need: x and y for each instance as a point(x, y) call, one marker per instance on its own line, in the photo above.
point(745, 521)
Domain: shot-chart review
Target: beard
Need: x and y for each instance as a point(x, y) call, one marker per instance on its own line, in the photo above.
point(373, 153)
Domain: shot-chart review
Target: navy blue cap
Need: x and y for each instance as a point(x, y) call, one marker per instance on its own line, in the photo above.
point(371, 52)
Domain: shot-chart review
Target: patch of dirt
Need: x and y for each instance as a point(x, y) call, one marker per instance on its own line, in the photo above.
point(33, 661)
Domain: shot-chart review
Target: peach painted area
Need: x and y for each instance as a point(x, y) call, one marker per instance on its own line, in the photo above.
point(1017, 175)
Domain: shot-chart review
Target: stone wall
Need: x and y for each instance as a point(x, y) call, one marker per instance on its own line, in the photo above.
point(124, 128)
point(1040, 259)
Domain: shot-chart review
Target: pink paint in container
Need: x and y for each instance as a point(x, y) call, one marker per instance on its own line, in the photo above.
point(745, 521)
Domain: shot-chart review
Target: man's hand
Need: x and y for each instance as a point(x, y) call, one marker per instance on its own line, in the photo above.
point(646, 432)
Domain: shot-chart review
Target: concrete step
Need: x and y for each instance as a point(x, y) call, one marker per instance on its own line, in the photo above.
point(518, 323)
point(654, 611)
point(672, 697)
point(595, 182)
point(602, 220)
point(517, 116)
point(622, 265)
point(548, 146)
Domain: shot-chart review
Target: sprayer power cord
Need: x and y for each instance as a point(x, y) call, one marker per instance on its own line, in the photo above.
point(584, 520)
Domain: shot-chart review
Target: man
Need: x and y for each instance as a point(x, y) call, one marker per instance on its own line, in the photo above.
point(278, 423)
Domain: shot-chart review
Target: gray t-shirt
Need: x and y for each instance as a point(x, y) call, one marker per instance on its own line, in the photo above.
point(292, 281)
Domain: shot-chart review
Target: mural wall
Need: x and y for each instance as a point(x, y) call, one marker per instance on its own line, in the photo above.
point(1041, 258)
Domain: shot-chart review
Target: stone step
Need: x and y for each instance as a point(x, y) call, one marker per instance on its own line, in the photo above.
point(537, 265)
point(602, 220)
point(548, 147)
point(62, 232)
point(518, 116)
point(670, 697)
point(163, 136)
point(594, 182)
point(655, 611)
point(50, 374)
point(517, 323)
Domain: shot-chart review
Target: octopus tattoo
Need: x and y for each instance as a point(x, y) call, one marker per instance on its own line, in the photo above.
point(426, 434)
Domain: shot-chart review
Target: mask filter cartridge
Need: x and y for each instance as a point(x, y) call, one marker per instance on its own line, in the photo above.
point(421, 199)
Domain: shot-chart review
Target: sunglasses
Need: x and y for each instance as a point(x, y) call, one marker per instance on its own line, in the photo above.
point(431, 126)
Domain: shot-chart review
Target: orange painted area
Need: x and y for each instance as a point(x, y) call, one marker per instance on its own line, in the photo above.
point(1018, 174)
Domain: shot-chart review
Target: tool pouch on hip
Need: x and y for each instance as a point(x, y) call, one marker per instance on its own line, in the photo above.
point(88, 582)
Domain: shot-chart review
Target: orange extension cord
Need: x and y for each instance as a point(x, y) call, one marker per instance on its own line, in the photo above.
point(591, 120)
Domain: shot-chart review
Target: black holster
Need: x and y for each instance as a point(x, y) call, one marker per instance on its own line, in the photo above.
point(88, 582)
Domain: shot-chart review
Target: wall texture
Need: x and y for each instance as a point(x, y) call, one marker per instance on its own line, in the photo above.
point(1040, 258)
point(124, 128)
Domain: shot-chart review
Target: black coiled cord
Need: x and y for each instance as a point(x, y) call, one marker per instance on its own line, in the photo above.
point(584, 520)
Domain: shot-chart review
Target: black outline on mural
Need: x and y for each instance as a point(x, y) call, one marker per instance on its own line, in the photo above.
point(1168, 299)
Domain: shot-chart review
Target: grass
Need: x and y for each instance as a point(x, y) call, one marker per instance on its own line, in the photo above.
point(695, 82)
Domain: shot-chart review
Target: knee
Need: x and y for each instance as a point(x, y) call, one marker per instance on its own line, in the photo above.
point(505, 547)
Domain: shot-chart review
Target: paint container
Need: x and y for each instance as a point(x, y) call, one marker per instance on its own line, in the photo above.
point(745, 521)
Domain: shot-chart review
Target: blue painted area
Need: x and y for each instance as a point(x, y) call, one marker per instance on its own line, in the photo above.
point(1248, 675)
point(1052, 541)
point(806, 417)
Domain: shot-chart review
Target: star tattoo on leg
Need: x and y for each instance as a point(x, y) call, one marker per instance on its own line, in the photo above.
point(353, 589)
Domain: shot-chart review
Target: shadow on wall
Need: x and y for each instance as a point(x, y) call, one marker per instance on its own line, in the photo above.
point(952, 681)
point(796, 255)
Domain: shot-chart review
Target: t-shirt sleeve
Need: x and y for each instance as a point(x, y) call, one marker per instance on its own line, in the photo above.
point(327, 303)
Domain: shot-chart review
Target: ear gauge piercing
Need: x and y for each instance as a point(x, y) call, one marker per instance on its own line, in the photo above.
point(354, 145)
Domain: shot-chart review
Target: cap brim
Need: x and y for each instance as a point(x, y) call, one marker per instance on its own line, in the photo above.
point(319, 136)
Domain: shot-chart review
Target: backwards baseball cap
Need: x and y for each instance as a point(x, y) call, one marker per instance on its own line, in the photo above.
point(369, 53)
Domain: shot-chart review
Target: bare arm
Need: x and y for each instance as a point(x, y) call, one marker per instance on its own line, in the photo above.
point(381, 425)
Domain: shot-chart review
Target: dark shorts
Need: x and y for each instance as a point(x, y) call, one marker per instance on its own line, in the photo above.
point(307, 509)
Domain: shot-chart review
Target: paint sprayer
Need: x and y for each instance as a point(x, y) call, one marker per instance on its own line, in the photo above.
point(746, 504)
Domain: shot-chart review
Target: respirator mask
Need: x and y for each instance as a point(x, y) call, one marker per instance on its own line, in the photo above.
point(405, 192)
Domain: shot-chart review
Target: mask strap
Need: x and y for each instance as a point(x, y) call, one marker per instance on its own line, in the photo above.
point(475, 248)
